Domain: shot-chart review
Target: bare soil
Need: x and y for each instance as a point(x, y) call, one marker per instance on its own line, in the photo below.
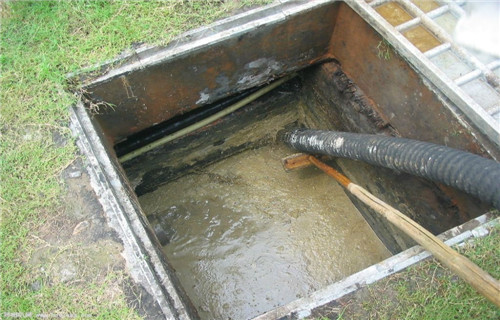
point(76, 247)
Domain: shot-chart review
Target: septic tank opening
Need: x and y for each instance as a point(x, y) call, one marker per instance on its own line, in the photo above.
point(163, 88)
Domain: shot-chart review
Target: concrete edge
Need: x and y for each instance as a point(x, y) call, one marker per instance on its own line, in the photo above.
point(143, 262)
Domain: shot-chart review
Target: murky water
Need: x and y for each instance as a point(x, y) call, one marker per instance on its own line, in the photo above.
point(246, 237)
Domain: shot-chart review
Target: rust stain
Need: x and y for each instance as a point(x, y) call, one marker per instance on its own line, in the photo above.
point(465, 204)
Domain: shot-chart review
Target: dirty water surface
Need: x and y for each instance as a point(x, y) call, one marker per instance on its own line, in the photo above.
point(244, 236)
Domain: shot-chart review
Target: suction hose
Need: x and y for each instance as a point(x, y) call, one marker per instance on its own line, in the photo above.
point(468, 172)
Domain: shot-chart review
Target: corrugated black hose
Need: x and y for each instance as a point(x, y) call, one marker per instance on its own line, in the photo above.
point(465, 171)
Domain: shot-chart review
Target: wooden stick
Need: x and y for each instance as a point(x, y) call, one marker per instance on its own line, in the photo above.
point(479, 279)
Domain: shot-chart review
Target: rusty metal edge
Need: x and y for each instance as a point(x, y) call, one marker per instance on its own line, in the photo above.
point(301, 308)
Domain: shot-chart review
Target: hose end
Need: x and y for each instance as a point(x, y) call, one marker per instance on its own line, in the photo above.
point(286, 135)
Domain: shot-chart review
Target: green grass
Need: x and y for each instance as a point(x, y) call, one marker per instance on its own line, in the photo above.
point(42, 41)
point(429, 291)
point(426, 291)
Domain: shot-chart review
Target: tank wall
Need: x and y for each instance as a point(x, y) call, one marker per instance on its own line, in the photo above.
point(236, 59)
point(402, 97)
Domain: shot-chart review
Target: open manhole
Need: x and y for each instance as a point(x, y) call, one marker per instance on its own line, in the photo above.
point(213, 227)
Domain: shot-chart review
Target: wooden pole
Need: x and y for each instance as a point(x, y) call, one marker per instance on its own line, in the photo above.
point(479, 279)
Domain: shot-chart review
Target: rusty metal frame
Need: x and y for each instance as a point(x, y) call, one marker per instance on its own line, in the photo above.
point(123, 214)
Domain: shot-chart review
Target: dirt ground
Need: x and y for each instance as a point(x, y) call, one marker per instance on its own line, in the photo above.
point(77, 247)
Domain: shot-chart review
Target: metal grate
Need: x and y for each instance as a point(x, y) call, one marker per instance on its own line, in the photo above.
point(422, 32)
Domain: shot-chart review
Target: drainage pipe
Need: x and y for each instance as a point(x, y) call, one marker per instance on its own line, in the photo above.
point(468, 172)
point(175, 124)
point(206, 121)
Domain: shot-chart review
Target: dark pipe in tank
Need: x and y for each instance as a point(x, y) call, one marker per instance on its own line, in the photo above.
point(465, 171)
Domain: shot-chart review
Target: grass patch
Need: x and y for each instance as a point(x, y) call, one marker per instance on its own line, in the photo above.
point(425, 291)
point(42, 41)
point(429, 291)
